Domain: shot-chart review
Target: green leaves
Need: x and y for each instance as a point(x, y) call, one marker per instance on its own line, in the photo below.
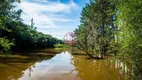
point(97, 28)
point(130, 37)
point(18, 35)
point(113, 26)
point(5, 44)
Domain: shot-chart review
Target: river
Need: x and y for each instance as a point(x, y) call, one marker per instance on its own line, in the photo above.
point(64, 66)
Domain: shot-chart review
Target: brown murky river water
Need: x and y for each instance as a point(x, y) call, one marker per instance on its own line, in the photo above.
point(64, 66)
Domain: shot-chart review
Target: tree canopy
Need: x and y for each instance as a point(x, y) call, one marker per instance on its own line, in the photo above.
point(16, 35)
point(112, 27)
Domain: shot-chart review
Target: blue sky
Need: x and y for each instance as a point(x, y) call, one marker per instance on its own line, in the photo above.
point(54, 17)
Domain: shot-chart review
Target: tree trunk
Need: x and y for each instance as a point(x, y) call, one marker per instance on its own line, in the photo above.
point(96, 57)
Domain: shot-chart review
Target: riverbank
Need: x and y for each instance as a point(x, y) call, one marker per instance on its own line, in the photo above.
point(42, 53)
point(63, 66)
point(30, 54)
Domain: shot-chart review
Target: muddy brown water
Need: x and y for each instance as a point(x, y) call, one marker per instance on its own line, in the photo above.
point(64, 66)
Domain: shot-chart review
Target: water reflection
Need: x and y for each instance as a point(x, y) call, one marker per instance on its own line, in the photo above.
point(12, 70)
point(64, 66)
point(100, 69)
point(60, 67)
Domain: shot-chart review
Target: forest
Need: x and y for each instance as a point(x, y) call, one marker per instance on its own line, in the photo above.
point(108, 29)
point(15, 35)
point(112, 27)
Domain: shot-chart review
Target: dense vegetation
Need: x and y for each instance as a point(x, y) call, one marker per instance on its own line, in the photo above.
point(16, 35)
point(107, 27)
point(112, 27)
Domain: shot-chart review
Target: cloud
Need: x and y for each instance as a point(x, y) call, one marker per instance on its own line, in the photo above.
point(51, 16)
point(46, 14)
point(48, 7)
point(57, 32)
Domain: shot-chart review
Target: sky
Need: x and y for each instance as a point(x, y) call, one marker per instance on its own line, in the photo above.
point(54, 17)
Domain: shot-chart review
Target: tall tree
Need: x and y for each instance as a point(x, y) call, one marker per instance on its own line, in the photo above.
point(130, 36)
point(97, 26)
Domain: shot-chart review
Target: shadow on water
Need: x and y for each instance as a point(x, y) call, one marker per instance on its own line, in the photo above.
point(64, 66)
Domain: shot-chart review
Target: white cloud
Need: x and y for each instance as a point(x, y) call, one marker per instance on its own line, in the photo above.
point(58, 34)
point(49, 7)
point(47, 14)
point(41, 12)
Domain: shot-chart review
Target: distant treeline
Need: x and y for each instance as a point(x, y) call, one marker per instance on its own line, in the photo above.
point(16, 35)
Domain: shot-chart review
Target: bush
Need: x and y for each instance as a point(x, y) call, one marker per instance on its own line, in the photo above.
point(60, 46)
point(5, 44)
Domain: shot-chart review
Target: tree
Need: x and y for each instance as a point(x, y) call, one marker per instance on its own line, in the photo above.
point(7, 14)
point(96, 31)
point(130, 35)
point(16, 35)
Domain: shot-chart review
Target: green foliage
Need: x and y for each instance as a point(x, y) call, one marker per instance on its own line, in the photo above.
point(97, 30)
point(61, 46)
point(130, 36)
point(20, 36)
point(58, 45)
point(5, 44)
point(113, 26)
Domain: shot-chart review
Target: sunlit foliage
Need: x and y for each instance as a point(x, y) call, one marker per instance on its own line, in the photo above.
point(113, 26)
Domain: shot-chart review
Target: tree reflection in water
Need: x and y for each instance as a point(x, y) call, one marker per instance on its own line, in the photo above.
point(107, 69)
point(65, 66)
